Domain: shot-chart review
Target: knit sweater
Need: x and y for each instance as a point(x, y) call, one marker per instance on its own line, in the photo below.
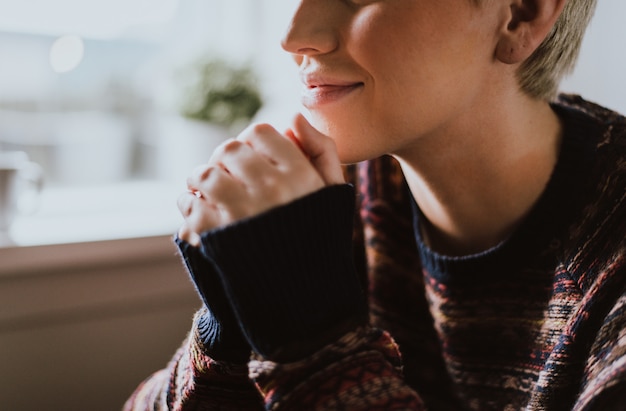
point(536, 323)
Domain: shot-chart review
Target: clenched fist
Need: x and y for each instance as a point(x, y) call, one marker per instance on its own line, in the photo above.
point(259, 170)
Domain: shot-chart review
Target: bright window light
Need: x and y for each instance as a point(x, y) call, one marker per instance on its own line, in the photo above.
point(88, 18)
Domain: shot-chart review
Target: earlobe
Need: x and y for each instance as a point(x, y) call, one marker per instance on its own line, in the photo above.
point(515, 47)
point(528, 23)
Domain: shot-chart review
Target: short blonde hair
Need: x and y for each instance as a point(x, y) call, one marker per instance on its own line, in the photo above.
point(539, 76)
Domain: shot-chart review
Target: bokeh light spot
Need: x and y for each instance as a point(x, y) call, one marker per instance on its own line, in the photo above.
point(66, 53)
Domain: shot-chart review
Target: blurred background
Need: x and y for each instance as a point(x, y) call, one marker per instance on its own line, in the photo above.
point(117, 101)
point(107, 95)
point(122, 98)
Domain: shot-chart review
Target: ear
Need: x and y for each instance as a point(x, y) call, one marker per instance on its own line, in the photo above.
point(528, 23)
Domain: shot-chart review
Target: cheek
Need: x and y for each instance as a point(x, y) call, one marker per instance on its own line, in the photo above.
point(378, 37)
point(402, 60)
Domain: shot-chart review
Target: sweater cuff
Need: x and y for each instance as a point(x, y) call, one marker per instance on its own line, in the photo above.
point(289, 274)
point(218, 344)
point(217, 327)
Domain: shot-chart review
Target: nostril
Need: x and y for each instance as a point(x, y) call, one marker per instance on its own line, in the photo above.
point(307, 50)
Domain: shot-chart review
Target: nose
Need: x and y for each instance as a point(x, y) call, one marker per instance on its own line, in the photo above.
point(313, 29)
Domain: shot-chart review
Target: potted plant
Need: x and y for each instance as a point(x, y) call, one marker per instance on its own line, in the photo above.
point(222, 94)
point(219, 99)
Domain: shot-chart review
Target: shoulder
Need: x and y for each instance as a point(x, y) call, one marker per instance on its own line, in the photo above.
point(604, 377)
point(596, 112)
point(597, 243)
point(605, 130)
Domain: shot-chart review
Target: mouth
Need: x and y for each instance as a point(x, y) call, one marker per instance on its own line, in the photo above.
point(317, 95)
point(321, 91)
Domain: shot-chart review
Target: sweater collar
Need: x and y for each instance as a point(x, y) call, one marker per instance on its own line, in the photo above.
point(536, 243)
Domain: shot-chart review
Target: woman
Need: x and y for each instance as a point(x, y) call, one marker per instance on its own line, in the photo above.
point(484, 268)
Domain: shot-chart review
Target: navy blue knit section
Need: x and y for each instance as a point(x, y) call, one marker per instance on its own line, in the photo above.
point(543, 229)
point(289, 274)
point(217, 326)
point(222, 343)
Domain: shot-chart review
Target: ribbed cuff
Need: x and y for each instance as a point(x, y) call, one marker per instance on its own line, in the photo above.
point(218, 328)
point(289, 274)
point(218, 343)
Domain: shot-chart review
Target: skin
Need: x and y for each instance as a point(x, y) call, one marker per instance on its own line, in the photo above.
point(431, 82)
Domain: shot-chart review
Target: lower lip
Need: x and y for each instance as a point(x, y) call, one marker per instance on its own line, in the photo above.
point(318, 96)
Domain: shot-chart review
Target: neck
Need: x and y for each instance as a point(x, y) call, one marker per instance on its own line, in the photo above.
point(488, 171)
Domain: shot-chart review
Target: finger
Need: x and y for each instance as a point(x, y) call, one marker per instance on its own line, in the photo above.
point(189, 236)
point(248, 165)
point(200, 215)
point(214, 160)
point(215, 184)
point(226, 196)
point(185, 203)
point(320, 149)
point(272, 145)
point(291, 136)
point(296, 175)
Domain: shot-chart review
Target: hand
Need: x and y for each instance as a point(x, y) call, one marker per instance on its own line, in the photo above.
point(259, 170)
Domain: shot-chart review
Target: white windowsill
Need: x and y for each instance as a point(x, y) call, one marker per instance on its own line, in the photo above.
point(85, 214)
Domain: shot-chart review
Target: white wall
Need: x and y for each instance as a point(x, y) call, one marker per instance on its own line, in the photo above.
point(601, 72)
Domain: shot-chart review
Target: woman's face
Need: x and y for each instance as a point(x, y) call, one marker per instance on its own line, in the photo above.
point(379, 75)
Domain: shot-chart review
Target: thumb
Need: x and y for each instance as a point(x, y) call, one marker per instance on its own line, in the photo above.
point(320, 149)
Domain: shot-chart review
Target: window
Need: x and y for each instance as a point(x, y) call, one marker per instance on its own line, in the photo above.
point(93, 90)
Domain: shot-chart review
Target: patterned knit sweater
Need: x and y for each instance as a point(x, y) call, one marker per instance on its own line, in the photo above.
point(535, 323)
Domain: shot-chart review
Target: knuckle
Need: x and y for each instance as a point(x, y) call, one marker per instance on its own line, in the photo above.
point(219, 151)
point(213, 184)
point(217, 184)
point(231, 145)
point(268, 182)
point(198, 174)
point(258, 132)
point(262, 129)
point(207, 175)
point(205, 172)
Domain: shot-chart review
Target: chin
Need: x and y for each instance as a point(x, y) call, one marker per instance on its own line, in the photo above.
point(350, 142)
point(350, 156)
